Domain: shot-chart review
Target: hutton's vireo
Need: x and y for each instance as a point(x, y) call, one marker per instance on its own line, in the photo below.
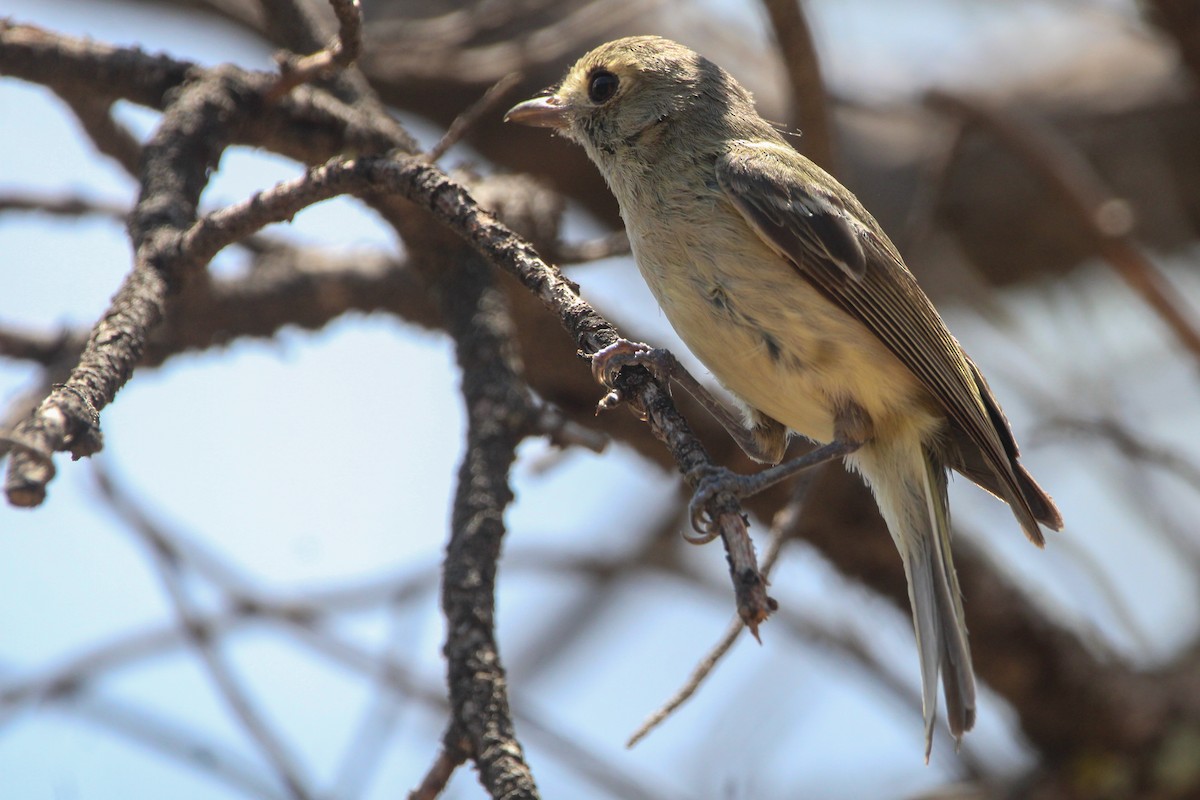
point(783, 285)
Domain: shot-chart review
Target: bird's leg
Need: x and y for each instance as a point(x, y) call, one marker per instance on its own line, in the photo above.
point(764, 442)
point(852, 428)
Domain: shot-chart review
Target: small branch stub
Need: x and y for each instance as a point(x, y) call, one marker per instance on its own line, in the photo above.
point(338, 54)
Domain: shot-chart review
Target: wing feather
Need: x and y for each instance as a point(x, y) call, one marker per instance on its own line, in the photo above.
point(839, 248)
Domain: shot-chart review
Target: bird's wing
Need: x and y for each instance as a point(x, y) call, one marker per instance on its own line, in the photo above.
point(839, 248)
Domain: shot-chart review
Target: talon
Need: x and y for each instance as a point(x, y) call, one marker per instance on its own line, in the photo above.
point(710, 481)
point(608, 361)
point(711, 534)
point(701, 522)
point(609, 402)
point(601, 367)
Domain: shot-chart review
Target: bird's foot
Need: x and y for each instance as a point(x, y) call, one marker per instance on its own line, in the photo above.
point(711, 482)
point(609, 361)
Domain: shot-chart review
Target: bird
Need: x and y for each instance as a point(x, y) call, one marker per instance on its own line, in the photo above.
point(790, 293)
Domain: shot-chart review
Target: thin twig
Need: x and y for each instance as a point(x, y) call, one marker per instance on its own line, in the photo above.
point(701, 671)
point(425, 185)
point(781, 530)
point(604, 578)
point(418, 56)
point(172, 741)
point(1137, 454)
point(449, 758)
point(65, 206)
point(307, 125)
point(184, 551)
point(110, 137)
point(338, 54)
point(229, 686)
point(382, 713)
point(1129, 444)
point(468, 119)
point(608, 777)
point(562, 432)
point(44, 349)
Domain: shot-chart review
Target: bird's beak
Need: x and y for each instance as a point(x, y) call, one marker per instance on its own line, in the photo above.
point(540, 112)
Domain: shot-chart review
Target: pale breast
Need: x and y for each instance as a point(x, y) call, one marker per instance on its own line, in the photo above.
point(765, 333)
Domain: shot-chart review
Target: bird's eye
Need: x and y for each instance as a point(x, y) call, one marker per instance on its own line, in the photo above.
point(602, 85)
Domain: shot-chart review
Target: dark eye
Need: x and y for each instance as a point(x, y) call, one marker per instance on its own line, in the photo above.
point(602, 85)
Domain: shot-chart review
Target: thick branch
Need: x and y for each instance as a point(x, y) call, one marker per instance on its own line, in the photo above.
point(450, 203)
point(499, 415)
point(79, 66)
point(174, 171)
point(453, 206)
point(300, 288)
point(308, 125)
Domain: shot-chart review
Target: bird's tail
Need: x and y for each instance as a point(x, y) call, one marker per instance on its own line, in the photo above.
point(909, 482)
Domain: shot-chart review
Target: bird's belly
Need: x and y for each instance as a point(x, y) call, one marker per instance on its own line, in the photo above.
point(782, 348)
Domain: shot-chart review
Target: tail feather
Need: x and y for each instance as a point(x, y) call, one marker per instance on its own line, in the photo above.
point(1006, 478)
point(1043, 508)
point(909, 482)
point(958, 679)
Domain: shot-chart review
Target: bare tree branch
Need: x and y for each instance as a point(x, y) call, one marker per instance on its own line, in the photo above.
point(110, 137)
point(1107, 219)
point(338, 54)
point(228, 685)
point(62, 206)
point(393, 50)
point(614, 244)
point(448, 759)
point(781, 530)
point(499, 415)
point(463, 123)
point(308, 125)
point(187, 145)
point(1075, 706)
point(809, 105)
point(177, 743)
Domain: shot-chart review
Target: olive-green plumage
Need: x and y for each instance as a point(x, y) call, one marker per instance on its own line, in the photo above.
point(783, 285)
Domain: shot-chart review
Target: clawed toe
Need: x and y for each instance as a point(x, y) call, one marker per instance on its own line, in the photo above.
point(607, 362)
point(711, 481)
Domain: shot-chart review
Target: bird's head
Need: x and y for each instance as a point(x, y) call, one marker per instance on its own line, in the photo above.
point(631, 95)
